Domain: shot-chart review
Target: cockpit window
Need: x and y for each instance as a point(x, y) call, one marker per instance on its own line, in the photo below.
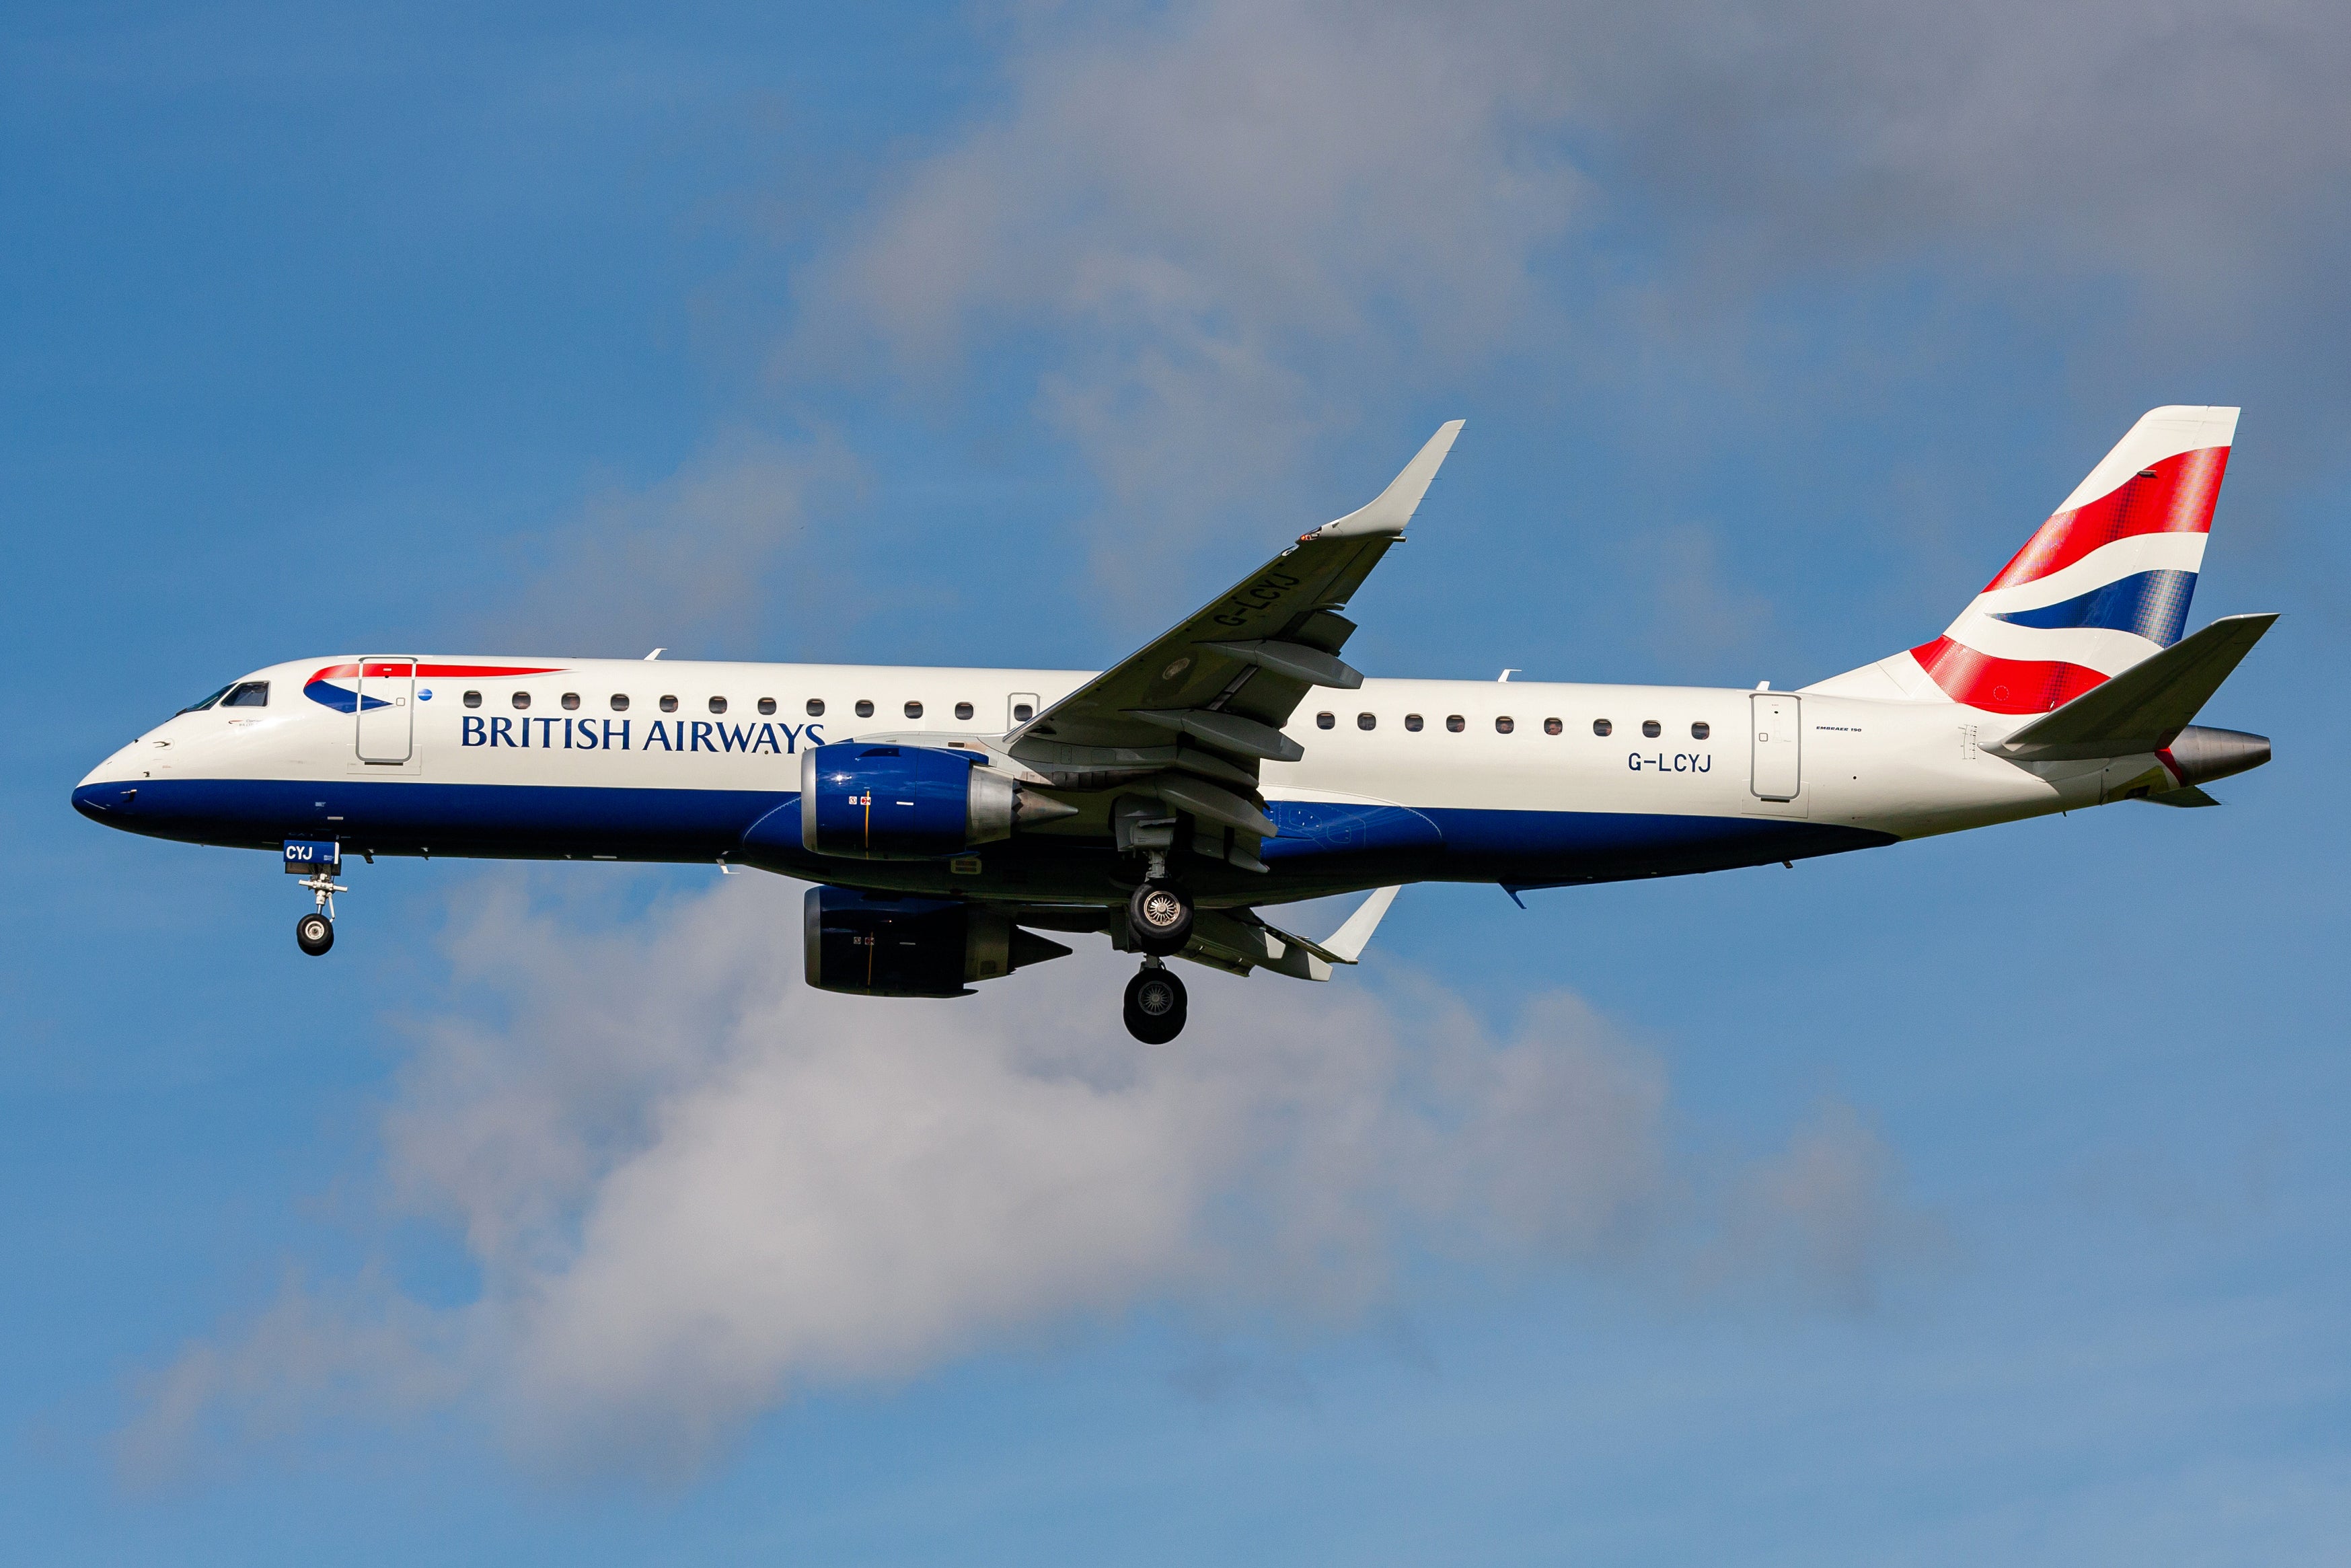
point(199, 708)
point(248, 694)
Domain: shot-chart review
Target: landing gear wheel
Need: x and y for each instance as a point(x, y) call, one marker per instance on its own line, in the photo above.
point(1156, 1006)
point(1159, 918)
point(314, 933)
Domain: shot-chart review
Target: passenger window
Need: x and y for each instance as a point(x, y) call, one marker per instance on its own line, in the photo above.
point(1325, 720)
point(1367, 721)
point(963, 710)
point(1700, 730)
point(571, 701)
point(1602, 726)
point(620, 702)
point(1652, 728)
point(864, 707)
point(1456, 723)
point(1022, 713)
point(1553, 726)
point(717, 705)
point(914, 710)
point(766, 705)
point(669, 704)
point(816, 707)
point(522, 699)
point(248, 694)
point(473, 699)
point(1412, 722)
point(1503, 726)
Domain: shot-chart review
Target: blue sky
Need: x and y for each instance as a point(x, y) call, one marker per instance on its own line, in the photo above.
point(1981, 1198)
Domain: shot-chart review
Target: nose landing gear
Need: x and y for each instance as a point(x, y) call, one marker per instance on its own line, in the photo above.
point(322, 858)
point(1155, 1004)
point(314, 933)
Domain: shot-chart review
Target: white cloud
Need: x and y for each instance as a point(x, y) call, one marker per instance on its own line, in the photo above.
point(693, 1187)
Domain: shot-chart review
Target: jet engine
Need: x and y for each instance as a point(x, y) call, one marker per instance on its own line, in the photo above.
point(909, 802)
point(875, 945)
point(2199, 753)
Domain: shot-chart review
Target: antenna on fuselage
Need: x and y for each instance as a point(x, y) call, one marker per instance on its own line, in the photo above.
point(656, 653)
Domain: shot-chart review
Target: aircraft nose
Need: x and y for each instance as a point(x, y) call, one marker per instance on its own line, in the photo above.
point(110, 791)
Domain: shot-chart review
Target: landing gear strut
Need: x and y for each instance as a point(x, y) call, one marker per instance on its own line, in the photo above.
point(1155, 1004)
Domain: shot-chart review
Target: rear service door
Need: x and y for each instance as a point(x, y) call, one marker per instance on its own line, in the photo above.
point(387, 713)
point(1779, 731)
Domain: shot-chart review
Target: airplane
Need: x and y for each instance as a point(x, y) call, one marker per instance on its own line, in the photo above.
point(950, 817)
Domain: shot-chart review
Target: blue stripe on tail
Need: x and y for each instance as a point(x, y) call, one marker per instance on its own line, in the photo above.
point(2150, 604)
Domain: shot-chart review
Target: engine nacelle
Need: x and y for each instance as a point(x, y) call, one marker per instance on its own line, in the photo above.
point(877, 944)
point(2199, 753)
point(901, 802)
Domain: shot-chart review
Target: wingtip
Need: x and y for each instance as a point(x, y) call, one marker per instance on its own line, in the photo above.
point(1394, 508)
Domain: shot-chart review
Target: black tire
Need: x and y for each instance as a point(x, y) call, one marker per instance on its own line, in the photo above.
point(1155, 1006)
point(314, 933)
point(1159, 919)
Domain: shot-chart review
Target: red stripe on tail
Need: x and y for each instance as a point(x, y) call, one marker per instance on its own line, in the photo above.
point(2177, 499)
point(2002, 685)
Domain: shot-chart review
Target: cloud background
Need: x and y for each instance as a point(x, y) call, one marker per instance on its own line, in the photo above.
point(1980, 1198)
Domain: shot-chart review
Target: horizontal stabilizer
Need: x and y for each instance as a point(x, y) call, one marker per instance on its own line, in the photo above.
point(2145, 706)
point(2188, 795)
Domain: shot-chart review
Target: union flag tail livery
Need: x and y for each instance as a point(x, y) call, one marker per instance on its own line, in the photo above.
point(1236, 763)
point(2102, 584)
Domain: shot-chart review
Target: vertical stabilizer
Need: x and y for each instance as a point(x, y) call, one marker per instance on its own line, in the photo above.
point(2102, 584)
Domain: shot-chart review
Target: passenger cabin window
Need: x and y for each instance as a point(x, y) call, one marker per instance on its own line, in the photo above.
point(963, 710)
point(1367, 721)
point(1456, 723)
point(1700, 730)
point(816, 707)
point(199, 708)
point(473, 699)
point(571, 701)
point(717, 705)
point(766, 705)
point(620, 702)
point(1503, 726)
point(248, 694)
point(669, 704)
point(1412, 722)
point(914, 710)
point(1325, 720)
point(864, 708)
point(1652, 728)
point(522, 699)
point(1022, 713)
point(1553, 726)
point(1602, 726)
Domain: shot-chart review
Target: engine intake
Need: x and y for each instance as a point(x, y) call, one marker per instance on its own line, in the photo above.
point(908, 802)
point(875, 945)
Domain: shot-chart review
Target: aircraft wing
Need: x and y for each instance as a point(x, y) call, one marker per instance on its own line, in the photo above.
point(1200, 707)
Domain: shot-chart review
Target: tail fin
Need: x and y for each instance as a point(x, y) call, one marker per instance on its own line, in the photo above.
point(2102, 584)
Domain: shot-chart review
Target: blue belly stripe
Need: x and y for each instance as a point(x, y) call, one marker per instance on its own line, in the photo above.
point(1318, 841)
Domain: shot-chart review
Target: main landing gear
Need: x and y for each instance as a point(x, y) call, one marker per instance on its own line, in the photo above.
point(1159, 918)
point(1158, 924)
point(1155, 1004)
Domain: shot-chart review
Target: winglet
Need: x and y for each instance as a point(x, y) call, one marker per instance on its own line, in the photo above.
point(1397, 504)
point(1348, 942)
